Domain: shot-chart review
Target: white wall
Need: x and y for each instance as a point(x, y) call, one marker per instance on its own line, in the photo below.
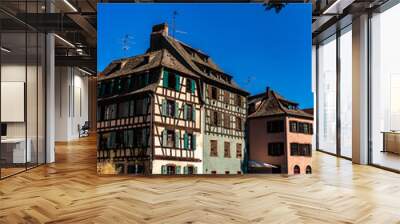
point(71, 102)
point(16, 73)
point(33, 126)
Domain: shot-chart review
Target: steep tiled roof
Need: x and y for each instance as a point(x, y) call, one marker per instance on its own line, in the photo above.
point(192, 61)
point(273, 104)
point(144, 62)
point(171, 53)
point(210, 63)
point(131, 65)
point(149, 88)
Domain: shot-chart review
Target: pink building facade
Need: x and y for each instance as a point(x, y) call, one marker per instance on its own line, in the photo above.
point(279, 135)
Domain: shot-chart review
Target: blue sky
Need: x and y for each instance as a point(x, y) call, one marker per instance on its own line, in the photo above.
point(258, 48)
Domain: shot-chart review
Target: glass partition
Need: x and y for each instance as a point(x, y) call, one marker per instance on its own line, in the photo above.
point(31, 97)
point(346, 92)
point(14, 155)
point(385, 89)
point(22, 101)
point(327, 95)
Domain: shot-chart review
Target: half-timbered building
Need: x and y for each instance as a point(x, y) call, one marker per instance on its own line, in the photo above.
point(169, 111)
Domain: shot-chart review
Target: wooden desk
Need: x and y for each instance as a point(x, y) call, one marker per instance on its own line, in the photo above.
point(391, 141)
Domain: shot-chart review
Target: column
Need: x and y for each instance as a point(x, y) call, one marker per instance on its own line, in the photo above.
point(360, 90)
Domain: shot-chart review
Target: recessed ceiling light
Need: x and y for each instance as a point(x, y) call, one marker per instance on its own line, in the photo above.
point(70, 5)
point(64, 40)
point(84, 71)
point(5, 50)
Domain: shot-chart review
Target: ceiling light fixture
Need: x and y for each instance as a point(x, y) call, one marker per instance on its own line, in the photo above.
point(64, 40)
point(331, 7)
point(84, 71)
point(5, 50)
point(70, 5)
point(337, 7)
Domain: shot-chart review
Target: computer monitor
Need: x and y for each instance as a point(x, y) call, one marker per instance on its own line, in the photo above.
point(3, 129)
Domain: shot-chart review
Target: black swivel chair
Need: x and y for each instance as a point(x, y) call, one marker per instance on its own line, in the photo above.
point(84, 130)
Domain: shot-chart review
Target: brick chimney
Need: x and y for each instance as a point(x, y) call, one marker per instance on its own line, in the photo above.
point(267, 91)
point(158, 32)
point(160, 29)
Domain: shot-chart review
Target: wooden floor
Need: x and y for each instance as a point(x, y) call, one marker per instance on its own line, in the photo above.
point(69, 191)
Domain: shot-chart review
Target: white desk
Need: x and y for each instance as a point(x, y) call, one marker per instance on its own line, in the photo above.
point(17, 145)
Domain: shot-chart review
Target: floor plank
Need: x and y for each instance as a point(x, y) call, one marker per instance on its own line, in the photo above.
point(69, 191)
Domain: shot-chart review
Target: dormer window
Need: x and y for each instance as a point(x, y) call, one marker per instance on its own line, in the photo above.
point(116, 67)
point(292, 107)
point(146, 59)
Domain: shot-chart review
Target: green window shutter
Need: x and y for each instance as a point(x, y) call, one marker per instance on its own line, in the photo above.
point(193, 87)
point(177, 139)
point(193, 142)
point(185, 141)
point(163, 169)
point(119, 86)
point(129, 84)
point(146, 79)
point(164, 107)
point(194, 113)
point(164, 138)
point(176, 109)
point(132, 108)
point(165, 78)
point(195, 170)
point(178, 170)
point(185, 170)
point(112, 87)
point(185, 111)
point(178, 82)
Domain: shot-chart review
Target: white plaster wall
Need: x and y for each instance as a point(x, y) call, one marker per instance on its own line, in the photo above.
point(70, 83)
point(158, 163)
point(16, 72)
